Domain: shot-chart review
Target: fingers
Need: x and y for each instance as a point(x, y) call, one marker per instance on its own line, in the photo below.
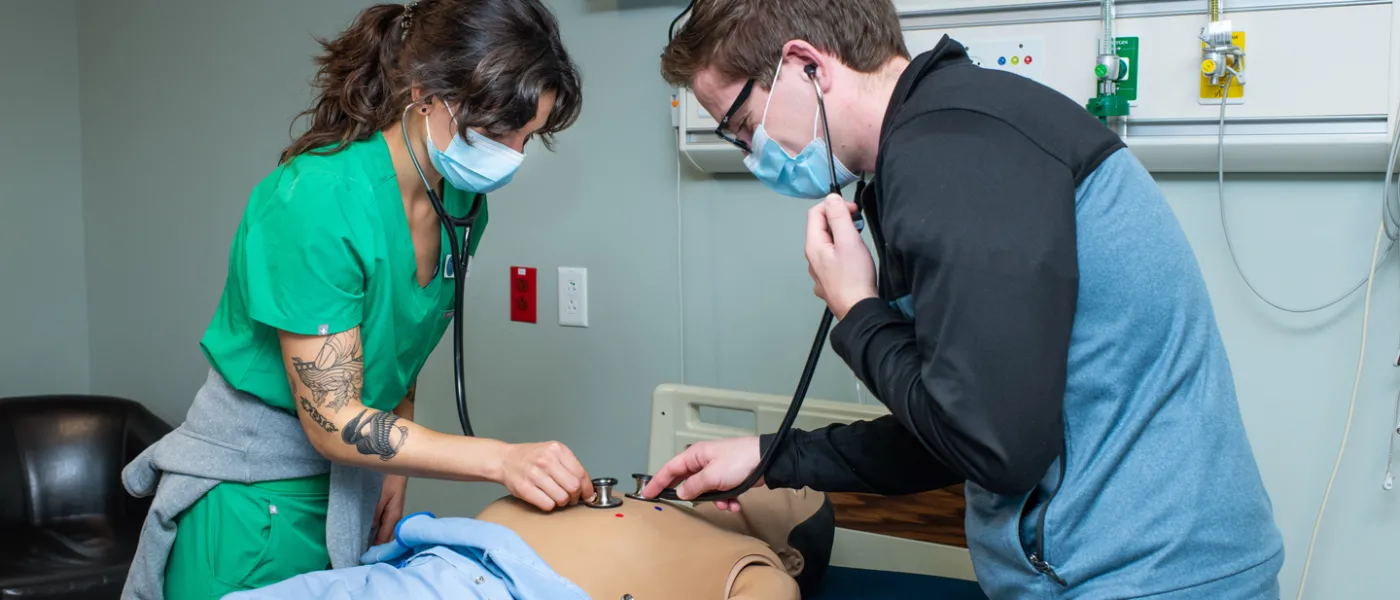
point(536, 497)
point(547, 475)
point(570, 474)
point(678, 468)
point(818, 235)
point(699, 483)
point(838, 218)
point(586, 485)
point(851, 207)
point(379, 508)
point(562, 474)
point(571, 484)
point(387, 523)
point(553, 490)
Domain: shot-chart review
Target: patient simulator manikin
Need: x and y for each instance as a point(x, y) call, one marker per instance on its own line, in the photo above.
point(775, 548)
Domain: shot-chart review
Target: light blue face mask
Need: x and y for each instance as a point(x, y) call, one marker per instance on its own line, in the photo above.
point(483, 166)
point(807, 175)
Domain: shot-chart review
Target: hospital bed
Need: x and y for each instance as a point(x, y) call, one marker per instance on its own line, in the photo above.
point(902, 547)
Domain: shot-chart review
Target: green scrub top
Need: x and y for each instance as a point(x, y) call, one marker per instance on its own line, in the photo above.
point(324, 246)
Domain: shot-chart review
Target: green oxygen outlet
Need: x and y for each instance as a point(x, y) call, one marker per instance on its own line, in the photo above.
point(1128, 52)
point(1117, 83)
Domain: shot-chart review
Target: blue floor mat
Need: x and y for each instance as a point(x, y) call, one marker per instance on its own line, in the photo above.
point(842, 583)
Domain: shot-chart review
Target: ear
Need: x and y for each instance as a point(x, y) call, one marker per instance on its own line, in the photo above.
point(815, 63)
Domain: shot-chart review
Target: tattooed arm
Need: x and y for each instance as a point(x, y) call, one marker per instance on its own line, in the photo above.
point(327, 373)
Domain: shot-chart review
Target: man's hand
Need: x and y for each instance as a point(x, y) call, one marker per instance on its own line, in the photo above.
point(546, 475)
point(390, 508)
point(708, 466)
point(837, 258)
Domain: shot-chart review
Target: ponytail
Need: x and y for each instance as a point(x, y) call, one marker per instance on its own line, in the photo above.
point(358, 82)
point(492, 59)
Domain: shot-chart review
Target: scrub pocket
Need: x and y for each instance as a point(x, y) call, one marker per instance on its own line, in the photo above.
point(241, 537)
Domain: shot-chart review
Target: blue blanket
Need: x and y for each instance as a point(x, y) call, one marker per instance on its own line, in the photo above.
point(429, 559)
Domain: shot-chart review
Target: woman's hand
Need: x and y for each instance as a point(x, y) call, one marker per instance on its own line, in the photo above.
point(546, 475)
point(837, 258)
point(708, 466)
point(390, 508)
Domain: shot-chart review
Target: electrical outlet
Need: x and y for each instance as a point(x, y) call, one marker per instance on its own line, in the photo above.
point(573, 297)
point(522, 294)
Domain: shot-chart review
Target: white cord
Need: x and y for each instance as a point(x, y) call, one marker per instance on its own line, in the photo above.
point(680, 251)
point(1389, 482)
point(1351, 409)
point(1368, 282)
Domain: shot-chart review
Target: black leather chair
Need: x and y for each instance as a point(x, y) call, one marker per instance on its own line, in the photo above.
point(68, 529)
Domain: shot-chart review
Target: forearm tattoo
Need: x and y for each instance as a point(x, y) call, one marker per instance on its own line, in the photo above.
point(337, 373)
point(375, 433)
point(317, 416)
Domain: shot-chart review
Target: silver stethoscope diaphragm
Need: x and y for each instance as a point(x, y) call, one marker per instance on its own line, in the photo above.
point(603, 494)
point(642, 481)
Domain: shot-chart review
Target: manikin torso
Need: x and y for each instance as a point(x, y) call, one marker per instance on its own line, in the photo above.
point(647, 551)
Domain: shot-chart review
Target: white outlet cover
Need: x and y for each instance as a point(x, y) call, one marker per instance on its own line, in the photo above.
point(573, 297)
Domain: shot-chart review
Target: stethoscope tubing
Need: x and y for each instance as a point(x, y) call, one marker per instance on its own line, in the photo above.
point(766, 455)
point(459, 273)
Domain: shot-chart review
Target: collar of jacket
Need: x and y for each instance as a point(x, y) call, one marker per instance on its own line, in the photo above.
point(946, 53)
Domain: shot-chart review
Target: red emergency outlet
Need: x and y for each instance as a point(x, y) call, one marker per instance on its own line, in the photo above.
point(523, 297)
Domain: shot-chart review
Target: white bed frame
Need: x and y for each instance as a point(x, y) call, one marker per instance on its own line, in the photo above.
point(676, 423)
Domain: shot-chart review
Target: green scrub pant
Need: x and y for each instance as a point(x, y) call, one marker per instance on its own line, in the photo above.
point(241, 537)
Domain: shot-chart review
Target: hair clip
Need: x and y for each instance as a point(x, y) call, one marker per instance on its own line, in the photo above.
point(407, 18)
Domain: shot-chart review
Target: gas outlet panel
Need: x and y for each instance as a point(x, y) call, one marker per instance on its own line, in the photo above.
point(1024, 57)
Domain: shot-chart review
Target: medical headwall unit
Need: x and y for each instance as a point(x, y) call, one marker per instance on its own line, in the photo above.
point(1319, 92)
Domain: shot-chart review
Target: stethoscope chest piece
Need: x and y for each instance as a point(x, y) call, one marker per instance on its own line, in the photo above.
point(603, 494)
point(642, 481)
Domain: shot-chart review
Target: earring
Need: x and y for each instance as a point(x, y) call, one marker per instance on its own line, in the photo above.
point(423, 109)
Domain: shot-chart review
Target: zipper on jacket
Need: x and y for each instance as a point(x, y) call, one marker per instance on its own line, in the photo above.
point(867, 199)
point(1037, 558)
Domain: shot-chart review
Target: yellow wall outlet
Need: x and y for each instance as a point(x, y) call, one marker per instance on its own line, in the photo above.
point(1211, 92)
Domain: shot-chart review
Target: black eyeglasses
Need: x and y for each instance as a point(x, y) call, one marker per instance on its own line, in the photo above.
point(723, 130)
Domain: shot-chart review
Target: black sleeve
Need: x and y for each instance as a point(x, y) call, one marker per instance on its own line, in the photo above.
point(981, 223)
point(870, 457)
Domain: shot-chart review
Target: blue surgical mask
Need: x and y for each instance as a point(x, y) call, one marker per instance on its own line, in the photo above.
point(807, 175)
point(483, 166)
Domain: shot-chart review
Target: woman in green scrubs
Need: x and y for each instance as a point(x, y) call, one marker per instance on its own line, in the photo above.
point(337, 289)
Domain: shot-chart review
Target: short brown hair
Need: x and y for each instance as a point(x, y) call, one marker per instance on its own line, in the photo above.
point(742, 39)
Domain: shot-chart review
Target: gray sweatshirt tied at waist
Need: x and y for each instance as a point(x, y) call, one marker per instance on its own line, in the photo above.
point(232, 436)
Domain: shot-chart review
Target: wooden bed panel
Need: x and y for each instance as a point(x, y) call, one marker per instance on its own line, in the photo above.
point(935, 516)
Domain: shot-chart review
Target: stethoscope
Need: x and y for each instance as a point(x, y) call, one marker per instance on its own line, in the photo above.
point(459, 263)
point(766, 455)
point(459, 260)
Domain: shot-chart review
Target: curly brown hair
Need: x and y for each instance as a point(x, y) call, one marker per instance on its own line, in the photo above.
point(493, 59)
